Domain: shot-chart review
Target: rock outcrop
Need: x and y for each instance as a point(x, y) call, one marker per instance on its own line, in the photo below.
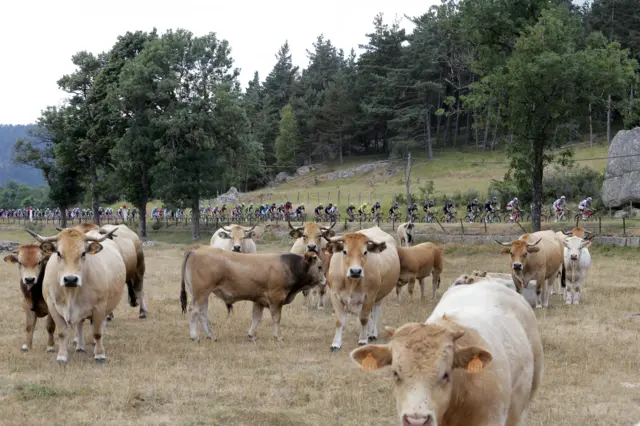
point(622, 179)
point(231, 196)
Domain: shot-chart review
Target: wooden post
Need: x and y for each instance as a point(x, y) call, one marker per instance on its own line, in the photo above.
point(338, 197)
point(408, 183)
point(462, 225)
point(624, 226)
point(349, 199)
point(600, 225)
point(308, 198)
point(485, 226)
point(298, 197)
point(329, 196)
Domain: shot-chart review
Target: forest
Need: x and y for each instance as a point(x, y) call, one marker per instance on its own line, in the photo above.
point(163, 116)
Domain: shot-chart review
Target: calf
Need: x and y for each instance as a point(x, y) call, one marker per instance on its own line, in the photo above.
point(417, 263)
point(576, 260)
point(268, 280)
point(363, 271)
point(31, 265)
point(465, 365)
point(405, 234)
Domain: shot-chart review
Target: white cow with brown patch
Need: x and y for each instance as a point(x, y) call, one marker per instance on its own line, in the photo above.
point(405, 234)
point(476, 361)
point(234, 238)
point(576, 261)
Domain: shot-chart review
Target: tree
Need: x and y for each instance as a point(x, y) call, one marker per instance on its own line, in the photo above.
point(287, 141)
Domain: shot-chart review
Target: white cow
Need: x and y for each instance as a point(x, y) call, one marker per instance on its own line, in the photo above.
point(576, 261)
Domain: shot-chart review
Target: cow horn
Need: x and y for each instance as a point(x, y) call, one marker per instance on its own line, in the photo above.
point(59, 229)
point(225, 228)
point(102, 238)
point(337, 239)
point(290, 225)
point(330, 228)
point(533, 244)
point(567, 232)
point(250, 229)
point(502, 244)
point(40, 238)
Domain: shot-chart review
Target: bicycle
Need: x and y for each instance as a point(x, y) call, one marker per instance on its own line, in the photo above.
point(513, 216)
point(472, 216)
point(429, 217)
point(449, 217)
point(563, 216)
point(490, 217)
point(585, 216)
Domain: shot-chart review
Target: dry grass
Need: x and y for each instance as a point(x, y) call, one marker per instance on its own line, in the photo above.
point(156, 375)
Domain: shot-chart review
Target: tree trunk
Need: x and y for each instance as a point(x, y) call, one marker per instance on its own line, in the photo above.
point(446, 129)
point(538, 171)
point(63, 216)
point(590, 125)
point(457, 133)
point(195, 218)
point(429, 141)
point(144, 198)
point(469, 135)
point(340, 145)
point(438, 119)
point(95, 197)
point(495, 132)
point(609, 120)
point(486, 127)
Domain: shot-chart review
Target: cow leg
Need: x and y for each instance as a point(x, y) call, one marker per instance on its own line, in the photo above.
point(30, 319)
point(110, 316)
point(547, 291)
point(80, 346)
point(305, 293)
point(576, 294)
point(341, 320)
point(138, 286)
point(365, 316)
point(98, 326)
point(411, 285)
point(276, 311)
point(63, 336)
point(51, 329)
point(398, 292)
point(540, 283)
point(204, 319)
point(323, 297)
point(373, 322)
point(143, 304)
point(194, 315)
point(256, 319)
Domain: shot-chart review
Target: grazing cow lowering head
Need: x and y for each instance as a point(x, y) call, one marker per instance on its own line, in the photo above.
point(426, 363)
point(236, 234)
point(70, 247)
point(519, 251)
point(311, 234)
point(83, 227)
point(31, 261)
point(574, 246)
point(464, 279)
point(354, 248)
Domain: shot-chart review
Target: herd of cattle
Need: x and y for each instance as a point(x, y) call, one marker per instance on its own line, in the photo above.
point(477, 360)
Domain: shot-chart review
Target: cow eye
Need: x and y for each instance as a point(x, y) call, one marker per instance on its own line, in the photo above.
point(525, 254)
point(396, 376)
point(84, 253)
point(344, 252)
point(446, 378)
point(365, 253)
point(59, 255)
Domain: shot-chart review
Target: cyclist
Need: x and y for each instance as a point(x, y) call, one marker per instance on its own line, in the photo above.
point(392, 210)
point(513, 206)
point(584, 205)
point(362, 209)
point(288, 208)
point(558, 206)
point(318, 210)
point(412, 211)
point(472, 207)
point(375, 208)
point(490, 205)
point(329, 209)
point(351, 211)
point(223, 210)
point(426, 207)
point(300, 211)
point(447, 209)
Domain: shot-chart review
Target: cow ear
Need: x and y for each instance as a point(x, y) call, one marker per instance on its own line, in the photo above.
point(335, 247)
point(390, 330)
point(224, 235)
point(326, 251)
point(310, 257)
point(94, 248)
point(376, 247)
point(471, 358)
point(470, 280)
point(533, 249)
point(295, 233)
point(587, 244)
point(410, 226)
point(11, 259)
point(48, 248)
point(249, 235)
point(505, 250)
point(372, 357)
point(482, 274)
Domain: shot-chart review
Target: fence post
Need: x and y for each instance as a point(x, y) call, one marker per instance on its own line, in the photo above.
point(485, 226)
point(600, 225)
point(298, 200)
point(349, 198)
point(462, 225)
point(624, 226)
point(359, 203)
point(308, 198)
point(338, 197)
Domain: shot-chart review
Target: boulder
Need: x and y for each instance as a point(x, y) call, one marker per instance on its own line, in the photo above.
point(281, 177)
point(231, 196)
point(8, 245)
point(622, 179)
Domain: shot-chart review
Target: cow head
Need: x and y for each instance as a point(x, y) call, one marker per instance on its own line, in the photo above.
point(82, 227)
point(425, 361)
point(573, 248)
point(579, 232)
point(312, 234)
point(354, 248)
point(464, 279)
point(315, 273)
point(236, 234)
point(519, 251)
point(71, 248)
point(30, 261)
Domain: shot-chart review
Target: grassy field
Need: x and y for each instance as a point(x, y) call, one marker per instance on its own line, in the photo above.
point(157, 376)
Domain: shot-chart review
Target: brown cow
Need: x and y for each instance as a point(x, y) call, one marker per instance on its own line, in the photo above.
point(31, 264)
point(466, 365)
point(309, 238)
point(361, 276)
point(579, 232)
point(84, 279)
point(268, 280)
point(537, 256)
point(417, 263)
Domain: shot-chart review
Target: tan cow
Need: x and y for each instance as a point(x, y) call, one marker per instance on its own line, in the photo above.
point(309, 239)
point(364, 269)
point(31, 264)
point(579, 232)
point(417, 263)
point(84, 279)
point(537, 256)
point(529, 293)
point(405, 234)
point(234, 238)
point(268, 280)
point(466, 365)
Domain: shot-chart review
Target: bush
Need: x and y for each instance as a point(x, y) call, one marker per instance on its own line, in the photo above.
point(576, 183)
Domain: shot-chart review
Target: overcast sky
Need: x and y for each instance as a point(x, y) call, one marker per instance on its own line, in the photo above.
point(40, 36)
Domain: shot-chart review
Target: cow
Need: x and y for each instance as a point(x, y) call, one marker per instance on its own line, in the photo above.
point(405, 234)
point(364, 269)
point(268, 280)
point(234, 238)
point(466, 365)
point(84, 279)
point(579, 232)
point(31, 264)
point(576, 261)
point(133, 255)
point(417, 263)
point(537, 256)
point(309, 238)
point(529, 293)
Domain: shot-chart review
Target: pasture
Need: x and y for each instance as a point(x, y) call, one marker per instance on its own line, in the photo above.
point(156, 376)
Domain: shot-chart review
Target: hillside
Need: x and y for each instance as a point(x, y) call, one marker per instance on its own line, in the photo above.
point(9, 171)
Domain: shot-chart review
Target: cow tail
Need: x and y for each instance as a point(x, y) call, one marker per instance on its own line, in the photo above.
point(409, 238)
point(229, 308)
point(133, 302)
point(563, 276)
point(183, 290)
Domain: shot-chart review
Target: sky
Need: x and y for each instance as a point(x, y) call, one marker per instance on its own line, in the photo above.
point(40, 36)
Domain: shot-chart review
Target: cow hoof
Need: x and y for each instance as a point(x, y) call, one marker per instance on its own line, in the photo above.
point(538, 306)
point(335, 348)
point(100, 359)
point(81, 350)
point(372, 338)
point(195, 339)
point(251, 338)
point(24, 348)
point(142, 315)
point(61, 359)
point(109, 319)
point(51, 349)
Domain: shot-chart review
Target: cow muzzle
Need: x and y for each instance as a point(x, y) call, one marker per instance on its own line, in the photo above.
point(29, 281)
point(574, 257)
point(355, 272)
point(71, 281)
point(416, 420)
point(237, 248)
point(517, 266)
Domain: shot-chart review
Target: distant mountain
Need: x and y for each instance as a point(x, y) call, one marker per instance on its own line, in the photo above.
point(9, 134)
